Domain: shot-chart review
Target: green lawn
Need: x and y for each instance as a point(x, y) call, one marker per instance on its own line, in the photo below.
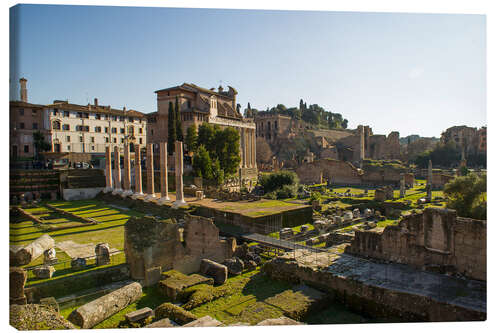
point(109, 230)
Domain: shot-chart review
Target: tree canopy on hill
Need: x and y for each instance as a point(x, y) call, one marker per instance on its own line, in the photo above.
point(467, 195)
point(312, 114)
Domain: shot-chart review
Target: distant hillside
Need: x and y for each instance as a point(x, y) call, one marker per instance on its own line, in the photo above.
point(313, 114)
point(415, 137)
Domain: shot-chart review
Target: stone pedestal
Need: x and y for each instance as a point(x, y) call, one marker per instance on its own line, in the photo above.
point(127, 189)
point(118, 175)
point(402, 188)
point(150, 193)
point(179, 185)
point(102, 255)
point(138, 173)
point(108, 171)
point(164, 174)
point(17, 277)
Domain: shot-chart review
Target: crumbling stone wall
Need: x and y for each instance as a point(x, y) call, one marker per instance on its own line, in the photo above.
point(150, 243)
point(435, 240)
point(333, 171)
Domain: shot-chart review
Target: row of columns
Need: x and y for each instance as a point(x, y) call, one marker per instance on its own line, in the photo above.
point(114, 181)
point(248, 148)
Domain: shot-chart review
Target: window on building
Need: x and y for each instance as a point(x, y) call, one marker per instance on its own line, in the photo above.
point(276, 124)
point(93, 147)
point(113, 130)
point(35, 126)
point(56, 125)
point(79, 115)
point(33, 112)
point(86, 115)
point(114, 118)
point(68, 148)
point(107, 140)
point(140, 141)
point(65, 127)
point(92, 139)
point(123, 140)
point(114, 140)
point(26, 148)
point(68, 138)
point(86, 128)
point(97, 116)
point(55, 112)
point(131, 130)
point(106, 129)
point(140, 130)
point(21, 125)
point(97, 129)
point(122, 130)
point(152, 132)
point(131, 119)
point(122, 118)
point(106, 117)
point(21, 112)
point(66, 114)
point(81, 138)
point(189, 104)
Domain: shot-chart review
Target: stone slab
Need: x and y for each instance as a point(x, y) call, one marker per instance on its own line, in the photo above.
point(279, 321)
point(76, 250)
point(162, 323)
point(140, 314)
point(206, 321)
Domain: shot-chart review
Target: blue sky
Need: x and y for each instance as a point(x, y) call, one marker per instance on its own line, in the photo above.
point(412, 73)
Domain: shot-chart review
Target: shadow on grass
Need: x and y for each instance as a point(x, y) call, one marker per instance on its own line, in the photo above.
point(67, 234)
point(262, 287)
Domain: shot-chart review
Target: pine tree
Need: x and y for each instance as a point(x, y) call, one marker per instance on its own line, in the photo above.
point(171, 129)
point(191, 139)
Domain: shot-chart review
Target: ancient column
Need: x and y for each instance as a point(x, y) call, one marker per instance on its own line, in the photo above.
point(118, 174)
point(127, 190)
point(429, 181)
point(150, 172)
point(243, 148)
point(248, 145)
point(179, 165)
point(138, 173)
point(164, 174)
point(108, 171)
point(402, 188)
point(254, 149)
point(361, 145)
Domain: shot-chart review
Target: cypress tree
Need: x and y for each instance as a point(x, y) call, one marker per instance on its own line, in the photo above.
point(171, 129)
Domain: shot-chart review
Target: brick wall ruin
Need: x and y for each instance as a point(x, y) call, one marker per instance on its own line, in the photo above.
point(332, 171)
point(434, 240)
point(151, 243)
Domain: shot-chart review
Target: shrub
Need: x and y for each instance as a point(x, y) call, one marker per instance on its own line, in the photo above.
point(175, 313)
point(287, 191)
point(277, 180)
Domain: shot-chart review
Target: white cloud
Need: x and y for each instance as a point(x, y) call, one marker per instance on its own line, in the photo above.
point(415, 72)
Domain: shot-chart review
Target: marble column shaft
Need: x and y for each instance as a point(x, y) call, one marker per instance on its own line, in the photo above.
point(164, 170)
point(179, 165)
point(138, 170)
point(150, 170)
point(109, 171)
point(118, 174)
point(126, 167)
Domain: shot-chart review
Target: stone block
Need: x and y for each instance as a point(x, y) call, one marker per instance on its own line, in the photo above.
point(17, 279)
point(215, 270)
point(44, 272)
point(165, 322)
point(50, 302)
point(234, 265)
point(102, 254)
point(49, 257)
point(206, 321)
point(152, 276)
point(140, 314)
point(78, 263)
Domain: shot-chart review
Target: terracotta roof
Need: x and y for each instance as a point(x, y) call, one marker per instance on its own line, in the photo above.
point(96, 109)
point(194, 88)
point(26, 104)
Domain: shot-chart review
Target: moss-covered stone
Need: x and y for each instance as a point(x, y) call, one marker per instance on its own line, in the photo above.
point(174, 282)
point(175, 313)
